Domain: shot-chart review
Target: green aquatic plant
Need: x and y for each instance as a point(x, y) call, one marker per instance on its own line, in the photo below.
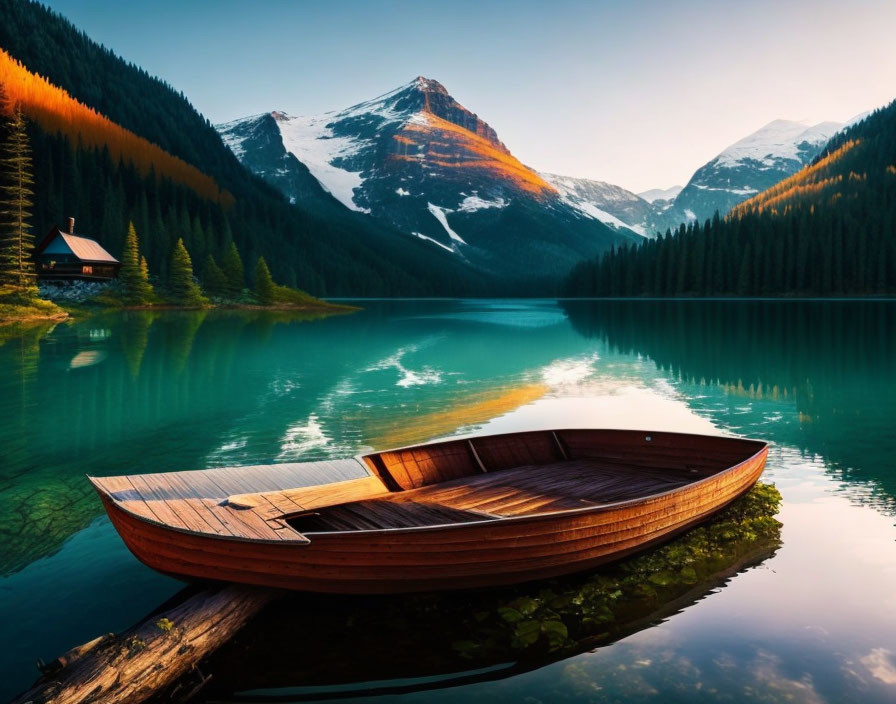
point(562, 613)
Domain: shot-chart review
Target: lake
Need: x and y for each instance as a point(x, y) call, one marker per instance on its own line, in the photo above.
point(813, 619)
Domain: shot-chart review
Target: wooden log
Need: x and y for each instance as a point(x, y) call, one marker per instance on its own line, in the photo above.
point(137, 663)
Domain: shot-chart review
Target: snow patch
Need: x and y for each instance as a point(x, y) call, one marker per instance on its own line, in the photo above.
point(312, 142)
point(660, 193)
point(737, 191)
point(606, 218)
point(400, 191)
point(472, 203)
point(440, 214)
point(599, 192)
point(689, 214)
point(584, 195)
point(229, 134)
point(430, 239)
point(418, 118)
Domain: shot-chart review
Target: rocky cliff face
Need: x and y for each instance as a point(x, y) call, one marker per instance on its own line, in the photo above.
point(424, 95)
point(419, 160)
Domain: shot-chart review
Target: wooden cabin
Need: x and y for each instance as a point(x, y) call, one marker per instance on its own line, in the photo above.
point(65, 255)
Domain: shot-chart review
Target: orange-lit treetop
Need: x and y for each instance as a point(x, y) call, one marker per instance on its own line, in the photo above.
point(55, 111)
point(811, 180)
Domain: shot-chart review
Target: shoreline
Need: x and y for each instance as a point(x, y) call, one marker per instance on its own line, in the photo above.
point(39, 318)
point(227, 306)
point(62, 313)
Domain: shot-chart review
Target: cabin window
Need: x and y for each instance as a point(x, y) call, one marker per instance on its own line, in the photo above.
point(86, 269)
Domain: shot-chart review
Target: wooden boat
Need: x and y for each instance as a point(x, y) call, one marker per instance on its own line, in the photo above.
point(475, 512)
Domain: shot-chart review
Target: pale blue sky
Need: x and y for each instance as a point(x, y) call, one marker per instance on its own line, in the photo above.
point(638, 93)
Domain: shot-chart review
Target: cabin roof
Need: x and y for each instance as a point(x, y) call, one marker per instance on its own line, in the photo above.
point(83, 248)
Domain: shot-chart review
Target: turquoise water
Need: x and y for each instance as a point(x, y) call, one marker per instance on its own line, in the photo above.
point(813, 621)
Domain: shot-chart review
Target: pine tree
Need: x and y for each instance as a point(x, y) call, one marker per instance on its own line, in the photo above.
point(134, 274)
point(264, 284)
point(183, 289)
point(214, 281)
point(144, 275)
point(233, 270)
point(16, 241)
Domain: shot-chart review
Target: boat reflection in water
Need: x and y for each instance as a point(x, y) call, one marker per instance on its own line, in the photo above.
point(318, 647)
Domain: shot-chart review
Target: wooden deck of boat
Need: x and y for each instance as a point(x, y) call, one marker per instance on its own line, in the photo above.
point(196, 501)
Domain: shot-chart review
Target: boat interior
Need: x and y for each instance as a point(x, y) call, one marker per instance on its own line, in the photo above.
point(455, 481)
point(524, 474)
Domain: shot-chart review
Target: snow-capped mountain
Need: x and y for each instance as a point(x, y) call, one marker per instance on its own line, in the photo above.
point(418, 160)
point(666, 194)
point(612, 205)
point(615, 206)
point(751, 165)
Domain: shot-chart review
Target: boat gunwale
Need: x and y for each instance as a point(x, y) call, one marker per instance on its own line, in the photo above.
point(304, 540)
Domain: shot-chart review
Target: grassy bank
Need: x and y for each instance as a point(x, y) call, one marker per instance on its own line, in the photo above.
point(15, 308)
point(284, 299)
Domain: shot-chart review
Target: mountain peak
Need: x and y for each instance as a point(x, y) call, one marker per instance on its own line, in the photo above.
point(419, 161)
point(428, 85)
point(422, 101)
point(779, 139)
point(653, 194)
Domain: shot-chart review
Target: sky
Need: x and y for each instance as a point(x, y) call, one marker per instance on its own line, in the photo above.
point(639, 93)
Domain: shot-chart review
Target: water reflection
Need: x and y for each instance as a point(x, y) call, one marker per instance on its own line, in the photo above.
point(134, 336)
point(143, 392)
point(817, 376)
point(135, 392)
point(382, 645)
point(167, 391)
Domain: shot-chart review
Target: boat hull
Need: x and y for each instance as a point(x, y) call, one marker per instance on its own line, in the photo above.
point(458, 556)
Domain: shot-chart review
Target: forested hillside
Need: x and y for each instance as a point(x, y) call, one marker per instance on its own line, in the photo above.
point(314, 245)
point(828, 230)
point(55, 111)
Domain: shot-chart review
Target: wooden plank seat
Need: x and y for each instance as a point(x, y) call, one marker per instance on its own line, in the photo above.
point(518, 491)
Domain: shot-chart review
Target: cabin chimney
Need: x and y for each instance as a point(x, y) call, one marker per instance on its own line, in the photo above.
point(71, 226)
